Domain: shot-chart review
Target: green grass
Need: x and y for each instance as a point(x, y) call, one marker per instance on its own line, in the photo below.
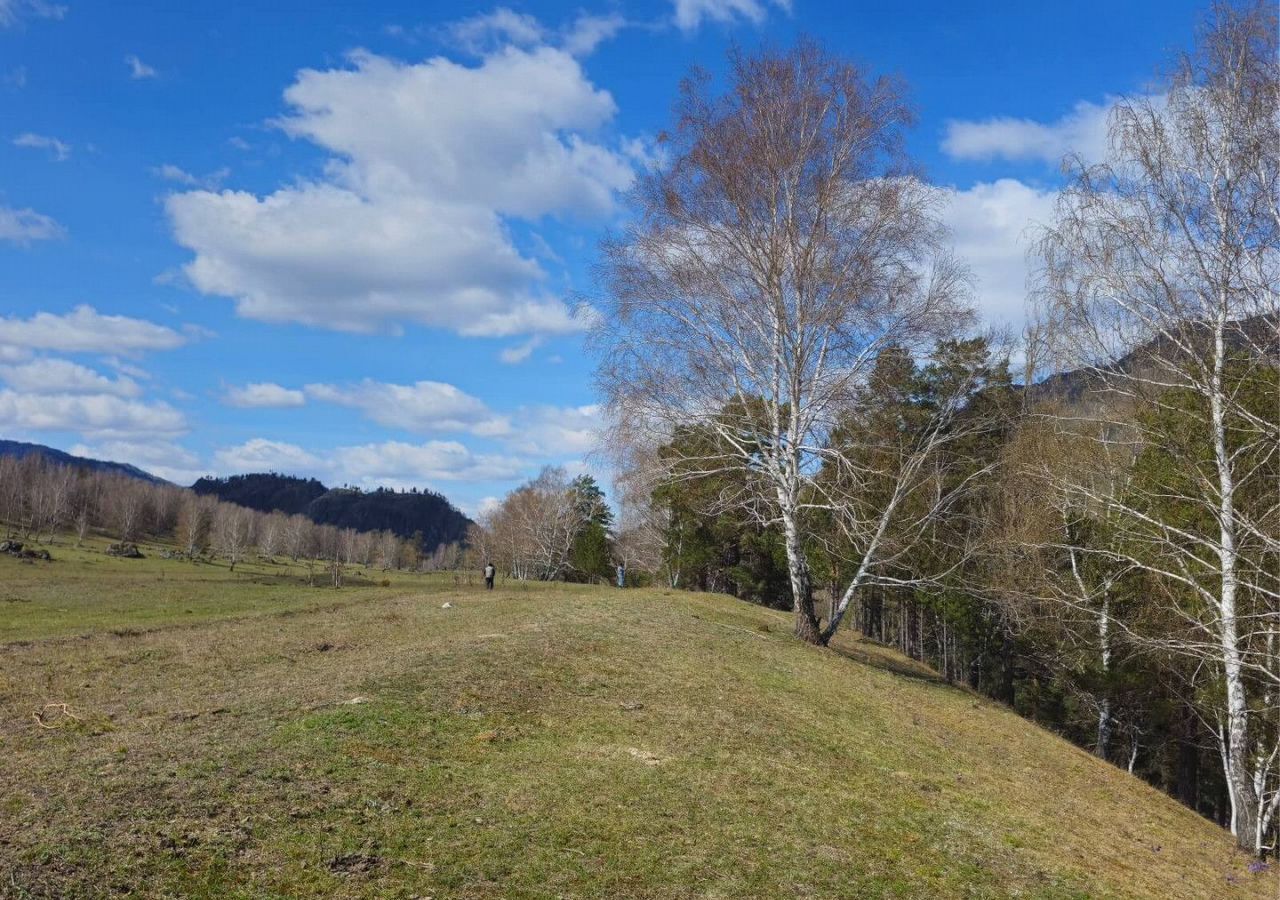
point(83, 590)
point(536, 741)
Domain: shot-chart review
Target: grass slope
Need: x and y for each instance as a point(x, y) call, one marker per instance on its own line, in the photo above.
point(544, 741)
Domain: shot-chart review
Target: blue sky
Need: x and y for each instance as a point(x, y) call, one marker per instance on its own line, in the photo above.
point(354, 240)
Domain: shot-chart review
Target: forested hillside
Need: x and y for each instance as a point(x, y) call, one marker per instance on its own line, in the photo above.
point(426, 514)
point(265, 491)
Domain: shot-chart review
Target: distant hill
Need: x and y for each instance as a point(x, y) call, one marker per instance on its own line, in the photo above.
point(21, 449)
point(1255, 334)
point(405, 513)
point(264, 491)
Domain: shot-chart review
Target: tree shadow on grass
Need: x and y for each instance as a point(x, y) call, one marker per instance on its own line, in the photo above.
point(881, 656)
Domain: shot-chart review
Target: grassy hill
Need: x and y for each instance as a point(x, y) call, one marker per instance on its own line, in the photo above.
point(245, 735)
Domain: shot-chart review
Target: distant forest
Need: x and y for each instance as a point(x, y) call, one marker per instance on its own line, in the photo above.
point(426, 514)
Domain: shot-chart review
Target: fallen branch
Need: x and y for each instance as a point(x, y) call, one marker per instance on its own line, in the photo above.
point(57, 707)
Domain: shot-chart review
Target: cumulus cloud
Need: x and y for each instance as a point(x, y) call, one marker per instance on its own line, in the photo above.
point(1083, 130)
point(103, 416)
point(61, 376)
point(390, 463)
point(263, 394)
point(433, 407)
point(411, 223)
point(58, 150)
point(990, 225)
point(85, 330)
point(425, 406)
point(398, 463)
point(555, 430)
point(690, 14)
point(165, 459)
point(262, 455)
point(22, 226)
point(138, 69)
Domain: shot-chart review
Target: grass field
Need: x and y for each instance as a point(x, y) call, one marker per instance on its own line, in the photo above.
point(247, 735)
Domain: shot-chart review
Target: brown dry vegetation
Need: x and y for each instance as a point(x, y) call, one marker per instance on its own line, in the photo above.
point(558, 741)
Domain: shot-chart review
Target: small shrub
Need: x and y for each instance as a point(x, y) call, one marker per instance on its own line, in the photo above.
point(386, 582)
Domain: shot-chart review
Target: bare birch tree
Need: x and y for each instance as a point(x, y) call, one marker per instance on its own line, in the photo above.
point(645, 539)
point(85, 502)
point(779, 252)
point(1162, 279)
point(388, 550)
point(233, 531)
point(298, 536)
point(195, 517)
point(127, 503)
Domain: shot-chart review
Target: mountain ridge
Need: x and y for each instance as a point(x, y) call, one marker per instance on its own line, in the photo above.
point(23, 449)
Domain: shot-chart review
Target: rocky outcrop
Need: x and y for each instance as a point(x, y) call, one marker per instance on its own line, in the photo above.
point(125, 549)
point(16, 548)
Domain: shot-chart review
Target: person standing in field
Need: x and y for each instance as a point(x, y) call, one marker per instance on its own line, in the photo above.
point(489, 573)
point(622, 575)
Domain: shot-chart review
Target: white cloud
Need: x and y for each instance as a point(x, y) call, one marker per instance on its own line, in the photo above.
point(1083, 131)
point(484, 32)
point(14, 11)
point(264, 394)
point(127, 368)
point(990, 225)
point(61, 376)
point(690, 14)
point(178, 175)
point(397, 463)
point(165, 459)
point(390, 463)
point(433, 407)
point(520, 352)
point(138, 69)
point(425, 406)
point(58, 151)
point(85, 330)
point(554, 431)
point(261, 455)
point(589, 31)
point(102, 416)
point(488, 505)
point(22, 226)
point(411, 221)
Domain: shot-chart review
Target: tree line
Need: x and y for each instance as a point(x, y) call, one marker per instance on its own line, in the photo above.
point(1083, 522)
point(552, 527)
point(40, 498)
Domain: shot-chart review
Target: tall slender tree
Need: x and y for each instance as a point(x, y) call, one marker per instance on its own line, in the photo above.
point(1162, 279)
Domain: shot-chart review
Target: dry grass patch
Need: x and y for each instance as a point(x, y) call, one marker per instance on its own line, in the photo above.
point(576, 742)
